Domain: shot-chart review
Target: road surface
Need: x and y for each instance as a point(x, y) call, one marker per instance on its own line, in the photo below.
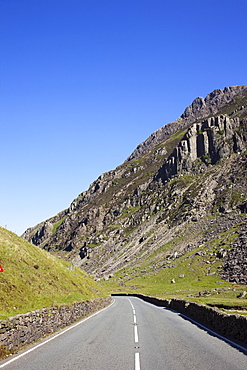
point(130, 335)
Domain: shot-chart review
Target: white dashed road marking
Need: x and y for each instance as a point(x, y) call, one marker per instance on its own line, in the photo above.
point(136, 338)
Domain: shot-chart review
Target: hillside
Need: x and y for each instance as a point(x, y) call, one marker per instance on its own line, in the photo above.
point(33, 279)
point(180, 194)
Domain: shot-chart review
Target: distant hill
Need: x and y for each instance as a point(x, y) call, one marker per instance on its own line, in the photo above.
point(181, 192)
point(33, 278)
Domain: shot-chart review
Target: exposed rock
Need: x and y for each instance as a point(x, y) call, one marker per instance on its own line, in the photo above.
point(243, 294)
point(203, 140)
point(199, 109)
point(42, 233)
point(235, 266)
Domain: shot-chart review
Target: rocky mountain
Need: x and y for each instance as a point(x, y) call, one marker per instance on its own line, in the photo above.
point(182, 187)
point(199, 109)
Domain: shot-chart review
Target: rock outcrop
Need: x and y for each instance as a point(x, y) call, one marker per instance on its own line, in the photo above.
point(211, 140)
point(199, 109)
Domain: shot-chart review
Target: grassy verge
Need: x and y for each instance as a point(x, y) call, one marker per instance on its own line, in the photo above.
point(33, 278)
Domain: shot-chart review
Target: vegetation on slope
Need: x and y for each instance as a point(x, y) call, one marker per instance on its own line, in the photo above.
point(195, 275)
point(33, 278)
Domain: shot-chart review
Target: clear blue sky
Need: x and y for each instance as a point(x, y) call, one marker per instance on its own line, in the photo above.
point(83, 82)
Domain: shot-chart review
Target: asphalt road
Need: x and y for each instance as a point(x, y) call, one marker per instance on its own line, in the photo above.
point(131, 335)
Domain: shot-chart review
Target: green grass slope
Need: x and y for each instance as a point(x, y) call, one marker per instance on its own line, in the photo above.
point(33, 278)
point(195, 276)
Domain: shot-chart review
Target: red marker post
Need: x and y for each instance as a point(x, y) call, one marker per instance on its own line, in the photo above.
point(1, 269)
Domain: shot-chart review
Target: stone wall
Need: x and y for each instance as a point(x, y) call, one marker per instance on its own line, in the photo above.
point(233, 327)
point(27, 328)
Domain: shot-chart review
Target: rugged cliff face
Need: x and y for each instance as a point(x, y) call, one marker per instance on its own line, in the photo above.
point(199, 109)
point(163, 201)
point(211, 141)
